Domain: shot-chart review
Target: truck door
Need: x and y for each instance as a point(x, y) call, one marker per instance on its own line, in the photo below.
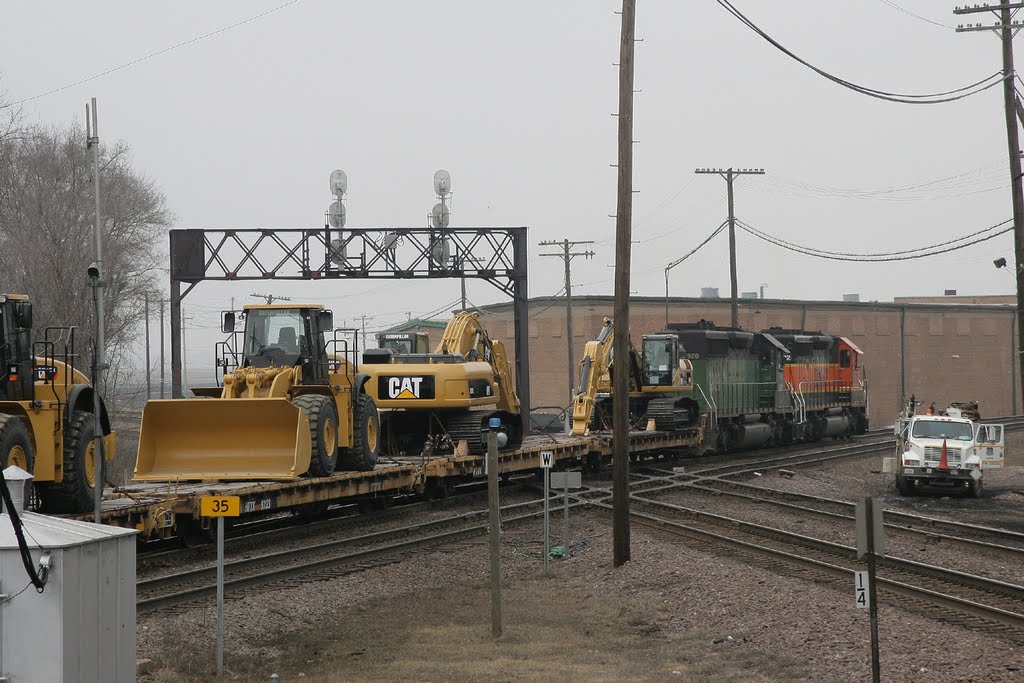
point(989, 443)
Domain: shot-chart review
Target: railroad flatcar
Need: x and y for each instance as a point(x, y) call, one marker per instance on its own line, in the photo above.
point(774, 387)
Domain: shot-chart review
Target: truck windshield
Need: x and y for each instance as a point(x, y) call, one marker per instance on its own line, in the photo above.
point(927, 429)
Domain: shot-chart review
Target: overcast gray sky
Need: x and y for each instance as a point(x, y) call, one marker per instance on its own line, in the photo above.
point(514, 99)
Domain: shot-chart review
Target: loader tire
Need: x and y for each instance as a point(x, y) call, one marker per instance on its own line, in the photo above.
point(362, 456)
point(77, 490)
point(323, 433)
point(15, 446)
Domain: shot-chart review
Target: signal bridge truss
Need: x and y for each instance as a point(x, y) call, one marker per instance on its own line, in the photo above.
point(495, 255)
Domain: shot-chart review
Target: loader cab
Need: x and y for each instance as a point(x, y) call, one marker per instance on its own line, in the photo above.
point(285, 336)
point(17, 379)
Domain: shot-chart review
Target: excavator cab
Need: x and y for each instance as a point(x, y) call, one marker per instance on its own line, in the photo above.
point(404, 342)
point(659, 355)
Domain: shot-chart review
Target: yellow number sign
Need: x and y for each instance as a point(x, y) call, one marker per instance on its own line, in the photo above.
point(220, 506)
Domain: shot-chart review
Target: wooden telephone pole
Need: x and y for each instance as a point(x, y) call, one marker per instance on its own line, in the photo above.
point(730, 174)
point(623, 246)
point(1012, 109)
point(567, 256)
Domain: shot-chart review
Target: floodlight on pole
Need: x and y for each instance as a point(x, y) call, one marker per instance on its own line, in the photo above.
point(440, 216)
point(339, 182)
point(442, 183)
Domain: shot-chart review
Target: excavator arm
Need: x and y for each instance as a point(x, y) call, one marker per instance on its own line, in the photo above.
point(595, 369)
point(465, 336)
point(596, 358)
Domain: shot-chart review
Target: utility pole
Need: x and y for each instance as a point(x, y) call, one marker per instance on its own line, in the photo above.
point(567, 256)
point(162, 363)
point(623, 247)
point(1011, 104)
point(729, 175)
point(149, 382)
point(270, 297)
point(363, 319)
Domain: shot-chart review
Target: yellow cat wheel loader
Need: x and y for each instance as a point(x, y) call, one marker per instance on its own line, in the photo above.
point(289, 408)
point(47, 424)
point(433, 401)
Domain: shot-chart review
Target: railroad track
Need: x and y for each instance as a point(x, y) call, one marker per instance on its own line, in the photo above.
point(968, 535)
point(321, 561)
point(974, 601)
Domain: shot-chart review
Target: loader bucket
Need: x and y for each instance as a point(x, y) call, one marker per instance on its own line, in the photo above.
point(262, 438)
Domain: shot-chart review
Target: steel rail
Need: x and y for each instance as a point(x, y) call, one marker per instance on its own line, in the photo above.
point(990, 586)
point(306, 566)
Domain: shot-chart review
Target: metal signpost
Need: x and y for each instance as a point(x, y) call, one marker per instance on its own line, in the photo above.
point(870, 540)
point(546, 460)
point(566, 481)
point(495, 524)
point(220, 507)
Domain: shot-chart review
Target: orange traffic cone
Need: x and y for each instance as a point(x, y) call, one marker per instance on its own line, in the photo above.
point(943, 463)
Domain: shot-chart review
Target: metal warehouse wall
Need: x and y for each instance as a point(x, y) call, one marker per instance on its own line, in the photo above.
point(940, 352)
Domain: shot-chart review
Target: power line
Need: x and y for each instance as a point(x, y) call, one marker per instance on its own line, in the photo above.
point(155, 54)
point(693, 251)
point(904, 10)
point(833, 256)
point(902, 98)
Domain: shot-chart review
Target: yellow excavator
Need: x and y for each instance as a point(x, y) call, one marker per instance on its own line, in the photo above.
point(290, 408)
point(433, 401)
point(47, 423)
point(660, 385)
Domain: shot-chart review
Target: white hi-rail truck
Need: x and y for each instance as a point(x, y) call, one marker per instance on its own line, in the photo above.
point(943, 452)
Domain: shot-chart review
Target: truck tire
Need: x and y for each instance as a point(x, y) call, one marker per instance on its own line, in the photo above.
point(362, 456)
point(15, 446)
point(974, 489)
point(75, 493)
point(904, 487)
point(323, 433)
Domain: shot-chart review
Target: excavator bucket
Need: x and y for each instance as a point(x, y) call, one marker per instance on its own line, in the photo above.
point(261, 438)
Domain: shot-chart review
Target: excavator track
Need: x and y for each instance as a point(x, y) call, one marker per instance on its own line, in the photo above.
point(670, 415)
point(471, 426)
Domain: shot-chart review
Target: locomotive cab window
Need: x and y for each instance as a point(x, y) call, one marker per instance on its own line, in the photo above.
point(844, 358)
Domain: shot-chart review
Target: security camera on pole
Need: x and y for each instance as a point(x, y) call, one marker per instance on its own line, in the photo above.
point(92, 135)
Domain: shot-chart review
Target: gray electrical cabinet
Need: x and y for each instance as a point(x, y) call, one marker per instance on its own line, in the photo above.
point(82, 626)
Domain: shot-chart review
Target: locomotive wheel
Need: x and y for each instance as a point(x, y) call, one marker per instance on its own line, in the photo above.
point(76, 493)
point(362, 456)
point(323, 432)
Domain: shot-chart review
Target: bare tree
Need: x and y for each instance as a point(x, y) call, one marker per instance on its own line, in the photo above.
point(11, 117)
point(46, 236)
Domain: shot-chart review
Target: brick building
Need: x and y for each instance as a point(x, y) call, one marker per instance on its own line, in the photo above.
point(945, 350)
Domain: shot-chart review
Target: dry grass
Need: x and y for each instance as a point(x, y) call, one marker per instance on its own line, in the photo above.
point(555, 629)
